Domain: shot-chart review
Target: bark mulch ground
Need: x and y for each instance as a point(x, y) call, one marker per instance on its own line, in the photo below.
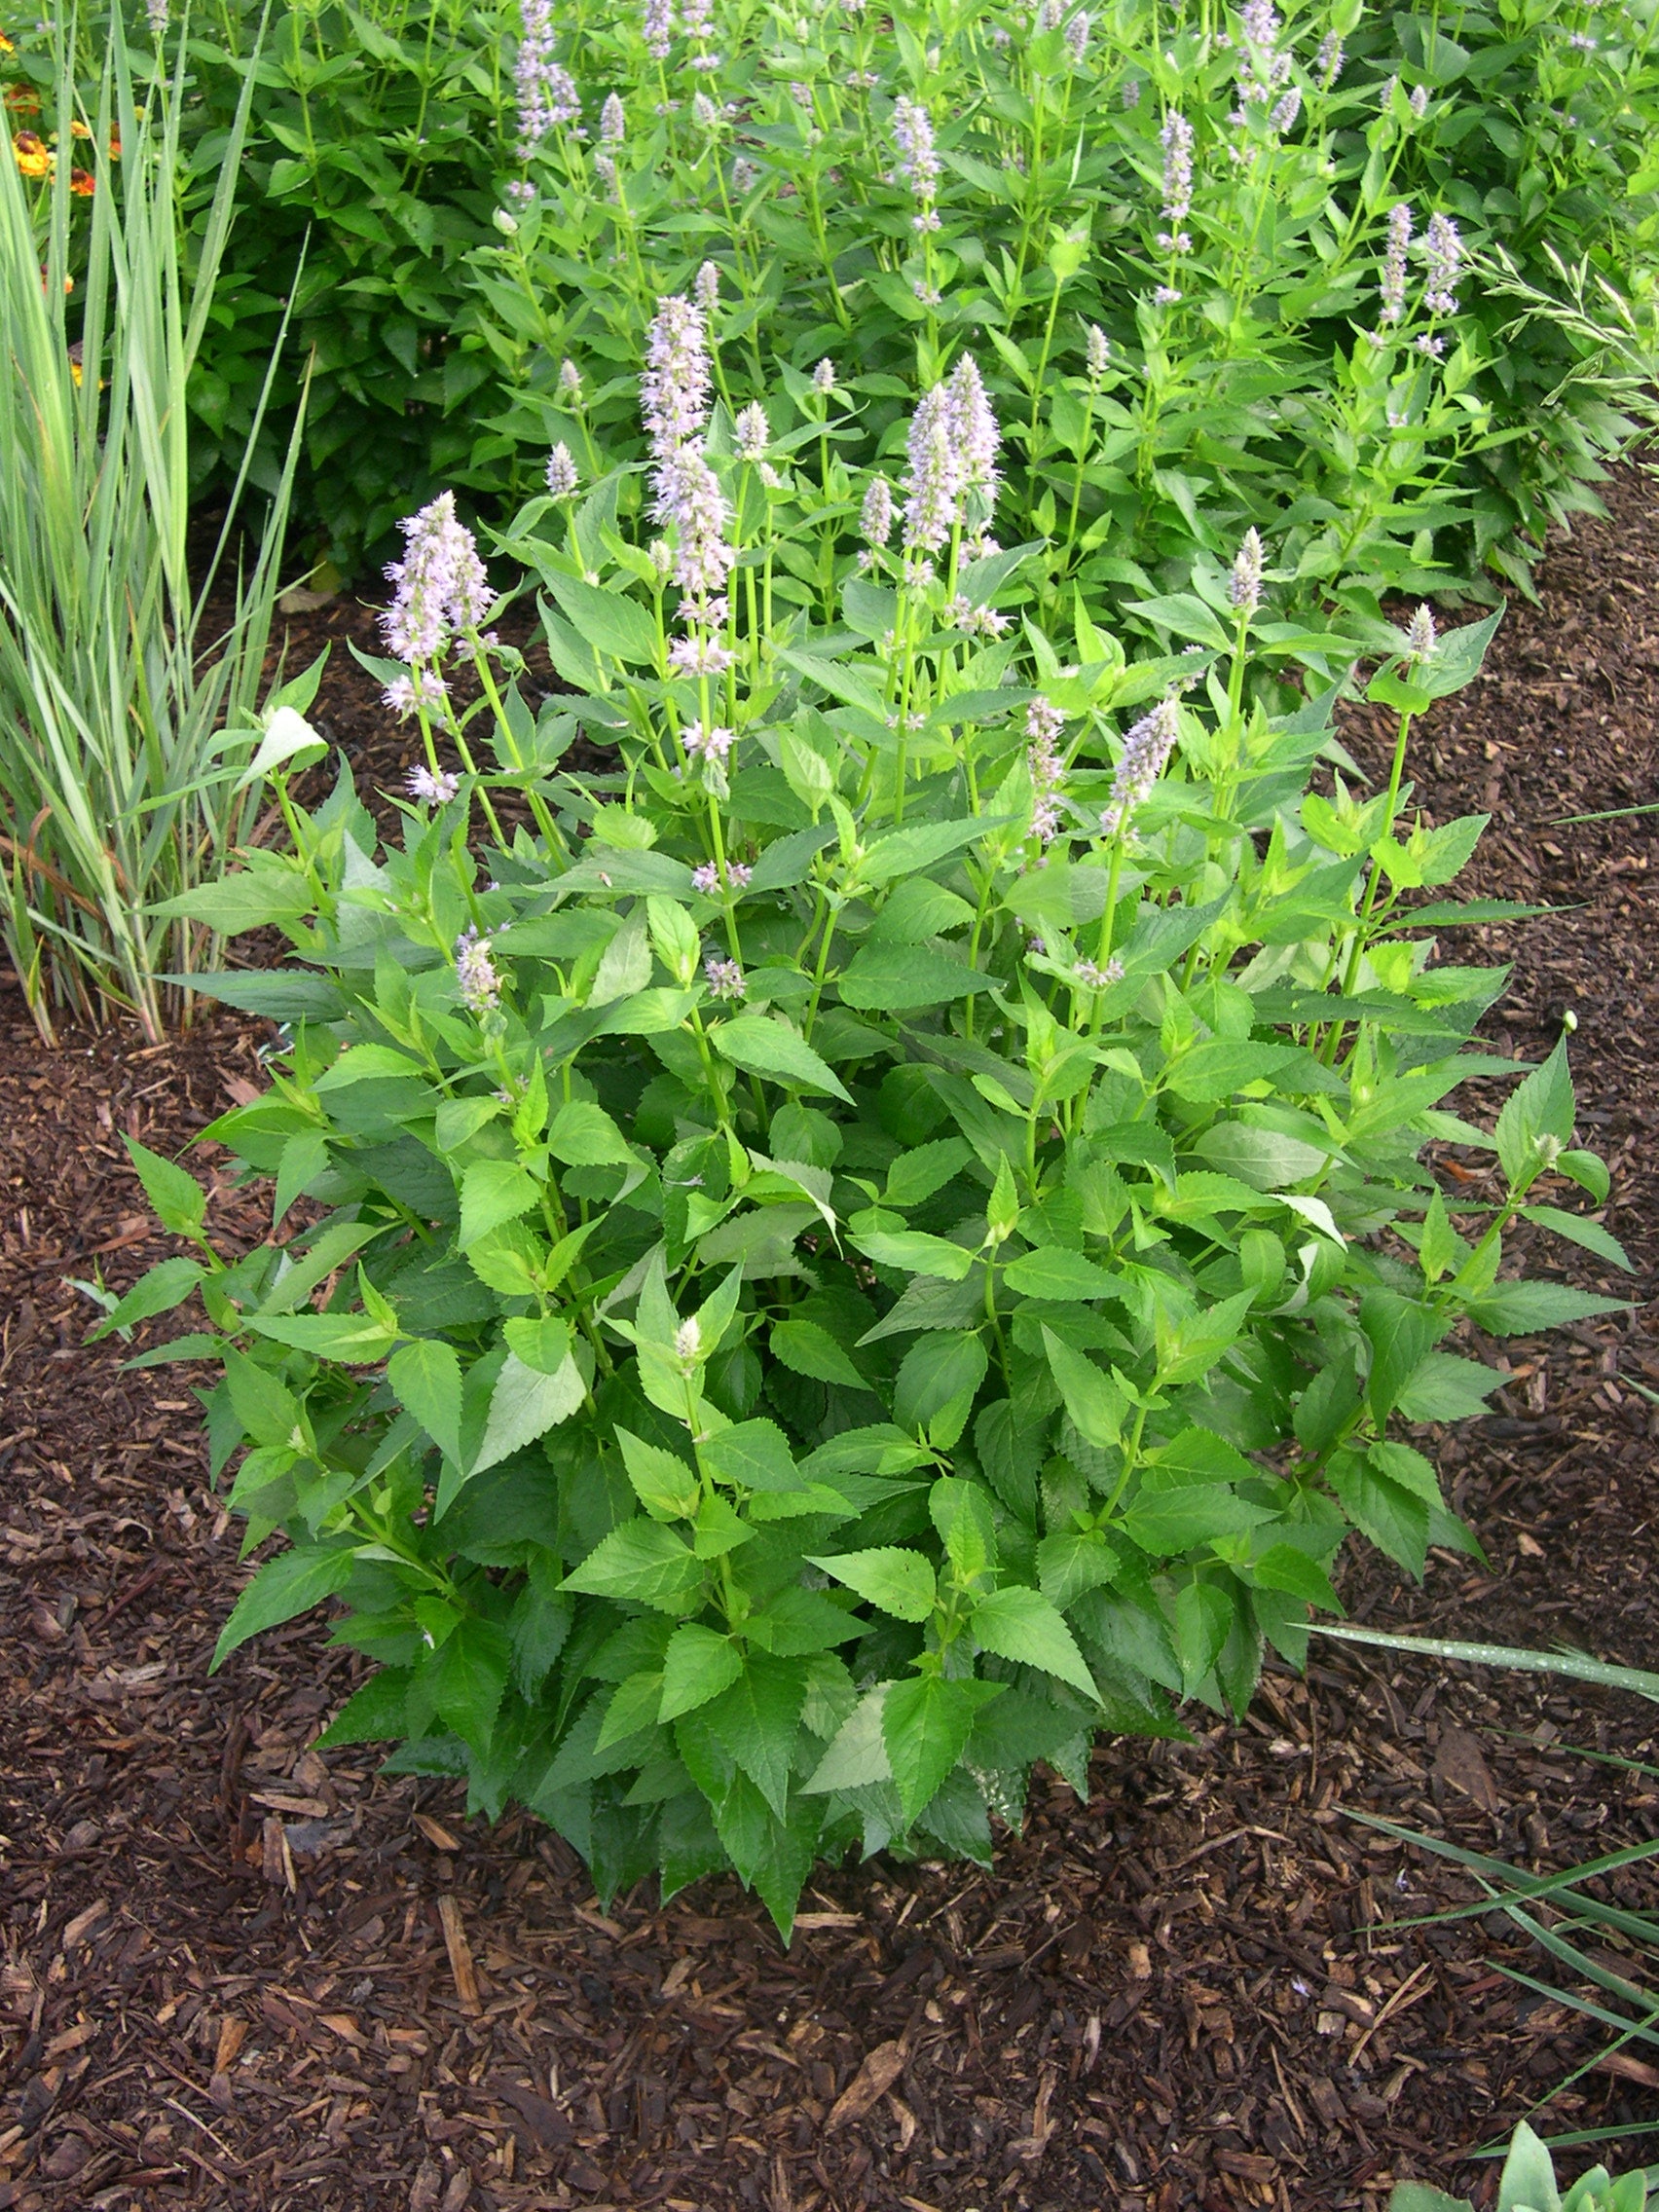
point(240, 1974)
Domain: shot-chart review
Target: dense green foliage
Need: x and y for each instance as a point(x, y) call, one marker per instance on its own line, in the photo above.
point(386, 155)
point(886, 1234)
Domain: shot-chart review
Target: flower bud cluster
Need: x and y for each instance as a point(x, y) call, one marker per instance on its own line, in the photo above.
point(1147, 748)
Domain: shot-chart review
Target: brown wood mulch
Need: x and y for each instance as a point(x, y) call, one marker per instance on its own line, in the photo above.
point(236, 1974)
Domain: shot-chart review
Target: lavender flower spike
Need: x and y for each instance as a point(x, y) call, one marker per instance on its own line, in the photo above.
point(1419, 638)
point(1147, 748)
point(1044, 724)
point(432, 790)
point(752, 431)
point(656, 24)
point(1394, 283)
point(1443, 250)
point(1244, 585)
point(561, 477)
point(932, 505)
point(1099, 350)
point(441, 584)
point(547, 95)
point(913, 134)
point(673, 390)
point(612, 121)
point(475, 972)
point(875, 516)
point(707, 286)
point(406, 694)
point(1176, 139)
point(973, 425)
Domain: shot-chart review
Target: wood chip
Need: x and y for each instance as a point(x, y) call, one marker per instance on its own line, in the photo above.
point(882, 2068)
point(460, 1954)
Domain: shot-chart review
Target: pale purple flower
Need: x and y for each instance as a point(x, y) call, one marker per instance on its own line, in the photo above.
point(657, 25)
point(1098, 349)
point(913, 134)
point(738, 873)
point(745, 176)
point(689, 499)
point(156, 11)
point(1131, 93)
point(547, 95)
point(1165, 296)
point(1076, 36)
point(1443, 252)
point(752, 431)
point(875, 516)
point(725, 979)
point(673, 390)
point(706, 878)
point(932, 504)
point(1393, 281)
point(824, 376)
point(570, 380)
point(1044, 723)
point(1147, 748)
point(432, 790)
point(696, 17)
point(1580, 42)
point(1244, 584)
point(1176, 139)
point(1328, 62)
point(704, 113)
point(562, 476)
point(441, 584)
point(707, 286)
point(1418, 101)
point(972, 429)
point(978, 621)
point(1432, 346)
point(420, 688)
point(698, 656)
point(475, 972)
point(605, 168)
point(612, 121)
point(1286, 110)
point(1264, 68)
point(1421, 638)
point(1100, 978)
point(711, 744)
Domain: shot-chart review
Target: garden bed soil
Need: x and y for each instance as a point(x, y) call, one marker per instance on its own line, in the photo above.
point(236, 1974)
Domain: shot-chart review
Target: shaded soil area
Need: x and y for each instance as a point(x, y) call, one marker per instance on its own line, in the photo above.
point(236, 1974)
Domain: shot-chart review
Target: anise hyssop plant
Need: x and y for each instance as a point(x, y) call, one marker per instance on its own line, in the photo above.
point(886, 1234)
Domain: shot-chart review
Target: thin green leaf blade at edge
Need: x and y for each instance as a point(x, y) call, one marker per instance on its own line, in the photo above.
point(1578, 1666)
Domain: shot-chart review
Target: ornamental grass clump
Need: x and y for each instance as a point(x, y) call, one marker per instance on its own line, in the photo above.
point(889, 1232)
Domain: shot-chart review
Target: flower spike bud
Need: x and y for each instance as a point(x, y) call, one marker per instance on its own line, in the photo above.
point(875, 516)
point(1420, 640)
point(562, 476)
point(1244, 585)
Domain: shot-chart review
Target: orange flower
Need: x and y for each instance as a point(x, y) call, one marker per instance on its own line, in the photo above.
point(79, 129)
point(34, 156)
point(115, 149)
point(22, 99)
point(82, 182)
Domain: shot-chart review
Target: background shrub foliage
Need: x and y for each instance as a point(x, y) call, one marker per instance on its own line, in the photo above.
point(886, 1234)
point(449, 233)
